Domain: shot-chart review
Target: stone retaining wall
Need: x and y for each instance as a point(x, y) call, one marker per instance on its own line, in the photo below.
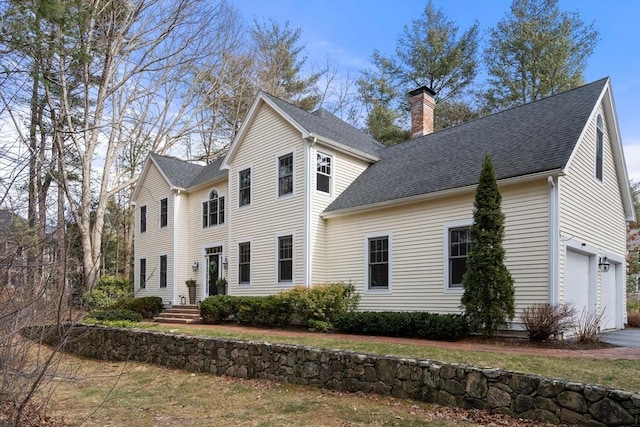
point(496, 390)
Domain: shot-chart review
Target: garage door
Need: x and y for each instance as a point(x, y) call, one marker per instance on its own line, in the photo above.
point(576, 281)
point(608, 297)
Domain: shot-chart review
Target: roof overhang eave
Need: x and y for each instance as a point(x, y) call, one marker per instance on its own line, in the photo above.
point(436, 194)
point(341, 147)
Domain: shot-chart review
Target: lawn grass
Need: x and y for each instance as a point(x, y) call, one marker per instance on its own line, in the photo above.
point(620, 374)
point(97, 393)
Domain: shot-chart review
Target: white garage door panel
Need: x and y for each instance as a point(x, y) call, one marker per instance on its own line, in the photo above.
point(608, 298)
point(576, 283)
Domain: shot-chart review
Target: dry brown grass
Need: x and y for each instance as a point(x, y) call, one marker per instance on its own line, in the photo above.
point(633, 320)
point(96, 393)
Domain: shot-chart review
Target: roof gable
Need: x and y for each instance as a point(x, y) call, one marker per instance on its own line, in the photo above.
point(320, 125)
point(538, 137)
point(180, 174)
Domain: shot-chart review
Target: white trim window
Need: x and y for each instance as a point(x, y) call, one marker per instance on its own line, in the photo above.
point(244, 187)
point(378, 253)
point(143, 273)
point(143, 219)
point(285, 259)
point(163, 271)
point(285, 175)
point(599, 167)
point(244, 263)
point(323, 172)
point(164, 212)
point(459, 244)
point(213, 210)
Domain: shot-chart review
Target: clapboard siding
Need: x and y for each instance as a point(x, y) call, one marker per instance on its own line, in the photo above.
point(345, 169)
point(418, 249)
point(268, 216)
point(591, 212)
point(155, 241)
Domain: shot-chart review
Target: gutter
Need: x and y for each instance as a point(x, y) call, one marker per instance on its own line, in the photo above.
point(434, 195)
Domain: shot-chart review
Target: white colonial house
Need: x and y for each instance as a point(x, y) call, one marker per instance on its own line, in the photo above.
point(304, 198)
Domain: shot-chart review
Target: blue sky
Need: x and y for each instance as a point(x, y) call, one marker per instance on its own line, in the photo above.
point(349, 30)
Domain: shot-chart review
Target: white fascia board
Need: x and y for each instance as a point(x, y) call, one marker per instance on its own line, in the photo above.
point(606, 98)
point(253, 111)
point(436, 195)
point(343, 148)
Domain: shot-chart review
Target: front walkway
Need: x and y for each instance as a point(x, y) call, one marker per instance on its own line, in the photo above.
point(615, 353)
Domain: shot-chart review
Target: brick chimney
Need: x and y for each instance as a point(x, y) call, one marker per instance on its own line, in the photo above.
point(422, 108)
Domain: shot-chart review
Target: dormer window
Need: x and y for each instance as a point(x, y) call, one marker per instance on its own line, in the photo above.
point(213, 210)
point(599, 148)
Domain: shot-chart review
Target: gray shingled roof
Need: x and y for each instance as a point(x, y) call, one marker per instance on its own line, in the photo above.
point(209, 173)
point(524, 140)
point(323, 123)
point(183, 174)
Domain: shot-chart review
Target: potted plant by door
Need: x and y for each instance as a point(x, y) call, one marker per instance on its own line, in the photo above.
point(221, 283)
point(191, 286)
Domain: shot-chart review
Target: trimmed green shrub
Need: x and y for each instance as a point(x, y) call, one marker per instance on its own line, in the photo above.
point(217, 308)
point(317, 307)
point(108, 293)
point(148, 307)
point(322, 302)
point(445, 327)
point(116, 314)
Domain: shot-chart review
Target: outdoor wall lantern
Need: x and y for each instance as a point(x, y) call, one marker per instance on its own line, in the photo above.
point(603, 264)
point(225, 263)
point(195, 265)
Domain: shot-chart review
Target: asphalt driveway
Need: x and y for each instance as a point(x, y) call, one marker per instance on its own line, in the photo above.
point(624, 338)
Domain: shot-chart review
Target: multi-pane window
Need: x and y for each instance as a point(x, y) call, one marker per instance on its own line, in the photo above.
point(143, 273)
point(163, 271)
point(285, 174)
point(285, 259)
point(459, 245)
point(244, 187)
point(599, 148)
point(379, 262)
point(164, 212)
point(244, 263)
point(143, 219)
point(323, 173)
point(213, 210)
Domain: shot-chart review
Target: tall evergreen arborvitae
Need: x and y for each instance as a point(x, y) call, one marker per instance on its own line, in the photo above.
point(488, 296)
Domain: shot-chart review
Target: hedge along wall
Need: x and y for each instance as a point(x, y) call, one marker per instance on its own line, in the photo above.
point(516, 394)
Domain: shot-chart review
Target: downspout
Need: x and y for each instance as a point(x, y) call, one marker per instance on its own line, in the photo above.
point(554, 234)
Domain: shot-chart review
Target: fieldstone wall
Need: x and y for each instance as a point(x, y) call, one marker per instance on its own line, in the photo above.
point(496, 390)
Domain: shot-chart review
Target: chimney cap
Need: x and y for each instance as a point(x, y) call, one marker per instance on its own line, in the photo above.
point(423, 89)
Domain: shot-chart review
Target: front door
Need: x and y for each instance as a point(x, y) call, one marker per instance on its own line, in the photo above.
point(213, 273)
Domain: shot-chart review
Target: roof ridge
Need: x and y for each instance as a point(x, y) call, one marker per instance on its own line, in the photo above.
point(458, 126)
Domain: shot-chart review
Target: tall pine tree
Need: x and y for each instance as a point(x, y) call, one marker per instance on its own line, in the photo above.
point(488, 296)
